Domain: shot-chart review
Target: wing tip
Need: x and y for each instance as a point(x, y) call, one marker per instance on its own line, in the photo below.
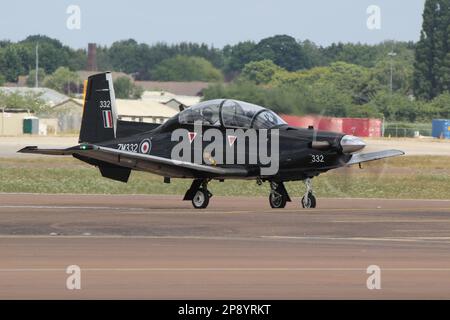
point(28, 149)
point(399, 152)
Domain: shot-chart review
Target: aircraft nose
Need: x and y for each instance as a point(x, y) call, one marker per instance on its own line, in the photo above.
point(350, 144)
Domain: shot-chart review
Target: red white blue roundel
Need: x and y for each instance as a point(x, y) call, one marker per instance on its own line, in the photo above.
point(145, 146)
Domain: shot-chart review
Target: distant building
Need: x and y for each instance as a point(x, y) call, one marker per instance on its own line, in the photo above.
point(68, 114)
point(144, 111)
point(170, 99)
point(141, 110)
point(11, 121)
point(63, 108)
point(84, 74)
point(68, 111)
point(50, 96)
point(192, 88)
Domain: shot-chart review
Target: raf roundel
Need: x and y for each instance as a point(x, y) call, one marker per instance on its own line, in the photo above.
point(145, 146)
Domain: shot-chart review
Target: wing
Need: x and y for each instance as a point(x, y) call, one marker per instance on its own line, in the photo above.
point(364, 157)
point(144, 162)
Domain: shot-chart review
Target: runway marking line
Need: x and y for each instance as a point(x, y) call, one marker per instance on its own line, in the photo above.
point(400, 239)
point(143, 210)
point(257, 238)
point(394, 221)
point(363, 270)
point(222, 269)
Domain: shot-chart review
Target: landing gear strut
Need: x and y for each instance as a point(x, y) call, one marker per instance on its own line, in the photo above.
point(199, 194)
point(308, 200)
point(278, 195)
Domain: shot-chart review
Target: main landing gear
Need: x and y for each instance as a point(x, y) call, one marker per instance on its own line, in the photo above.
point(198, 193)
point(279, 196)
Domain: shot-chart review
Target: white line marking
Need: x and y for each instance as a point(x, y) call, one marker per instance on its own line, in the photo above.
point(60, 207)
point(402, 239)
point(395, 221)
point(131, 237)
point(218, 238)
point(216, 269)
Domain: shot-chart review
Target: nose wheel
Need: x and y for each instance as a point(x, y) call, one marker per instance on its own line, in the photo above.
point(308, 200)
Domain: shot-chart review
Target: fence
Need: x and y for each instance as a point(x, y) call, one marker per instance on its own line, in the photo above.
point(410, 130)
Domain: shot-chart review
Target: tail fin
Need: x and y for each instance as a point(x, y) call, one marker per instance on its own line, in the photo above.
point(99, 121)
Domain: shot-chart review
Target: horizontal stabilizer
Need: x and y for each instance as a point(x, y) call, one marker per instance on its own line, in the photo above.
point(55, 152)
point(364, 157)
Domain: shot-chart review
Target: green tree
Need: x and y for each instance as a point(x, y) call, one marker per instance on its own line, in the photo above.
point(432, 60)
point(124, 88)
point(261, 72)
point(402, 75)
point(30, 101)
point(237, 56)
point(52, 53)
point(63, 80)
point(395, 107)
point(31, 80)
point(284, 51)
point(2, 80)
point(10, 63)
point(183, 68)
point(439, 107)
point(125, 56)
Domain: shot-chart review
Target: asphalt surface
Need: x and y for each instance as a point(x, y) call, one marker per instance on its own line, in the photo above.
point(149, 247)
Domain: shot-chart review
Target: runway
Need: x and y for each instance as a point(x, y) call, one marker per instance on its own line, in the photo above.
point(158, 247)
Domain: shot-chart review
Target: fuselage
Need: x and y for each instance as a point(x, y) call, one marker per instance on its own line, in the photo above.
point(302, 153)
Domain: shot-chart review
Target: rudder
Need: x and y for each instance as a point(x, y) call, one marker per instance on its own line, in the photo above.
point(99, 120)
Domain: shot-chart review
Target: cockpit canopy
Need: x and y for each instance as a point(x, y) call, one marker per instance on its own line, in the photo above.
point(230, 114)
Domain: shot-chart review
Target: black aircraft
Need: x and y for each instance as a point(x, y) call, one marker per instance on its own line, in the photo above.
point(116, 147)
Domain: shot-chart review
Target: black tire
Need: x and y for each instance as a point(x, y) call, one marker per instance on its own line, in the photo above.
point(277, 201)
point(310, 203)
point(201, 199)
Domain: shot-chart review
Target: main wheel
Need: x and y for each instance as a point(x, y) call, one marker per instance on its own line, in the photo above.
point(201, 199)
point(309, 201)
point(277, 201)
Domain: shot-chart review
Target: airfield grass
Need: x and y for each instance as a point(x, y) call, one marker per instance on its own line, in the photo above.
point(417, 177)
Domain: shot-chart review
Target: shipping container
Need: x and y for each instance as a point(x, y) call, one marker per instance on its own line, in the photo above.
point(361, 127)
point(441, 128)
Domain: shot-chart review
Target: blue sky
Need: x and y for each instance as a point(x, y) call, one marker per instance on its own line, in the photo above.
point(210, 21)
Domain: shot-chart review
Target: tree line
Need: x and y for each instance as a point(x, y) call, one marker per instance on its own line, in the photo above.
point(400, 81)
point(184, 61)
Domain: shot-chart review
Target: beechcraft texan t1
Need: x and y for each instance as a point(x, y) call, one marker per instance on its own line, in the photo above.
point(214, 140)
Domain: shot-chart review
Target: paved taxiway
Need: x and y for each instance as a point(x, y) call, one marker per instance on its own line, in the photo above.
point(158, 247)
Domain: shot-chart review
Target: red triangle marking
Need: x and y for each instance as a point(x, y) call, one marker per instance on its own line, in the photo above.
point(192, 136)
point(231, 140)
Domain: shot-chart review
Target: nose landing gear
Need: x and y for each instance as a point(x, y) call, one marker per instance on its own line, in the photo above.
point(308, 200)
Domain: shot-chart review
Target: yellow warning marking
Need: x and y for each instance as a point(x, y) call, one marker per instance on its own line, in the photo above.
point(84, 93)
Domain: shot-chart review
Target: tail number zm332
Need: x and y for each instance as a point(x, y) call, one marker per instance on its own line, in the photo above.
point(130, 147)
